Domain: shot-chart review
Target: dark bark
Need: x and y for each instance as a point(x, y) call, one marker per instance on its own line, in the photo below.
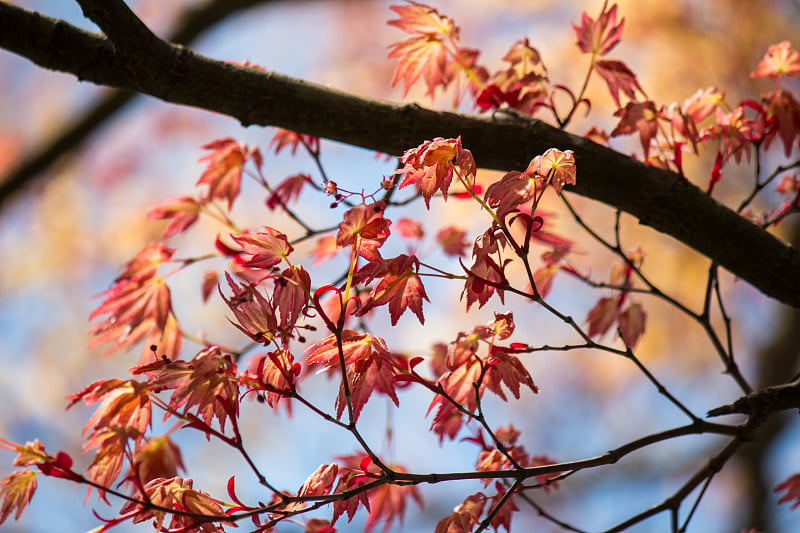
point(136, 62)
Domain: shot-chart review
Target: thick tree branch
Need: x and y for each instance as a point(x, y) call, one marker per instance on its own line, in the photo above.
point(191, 24)
point(658, 198)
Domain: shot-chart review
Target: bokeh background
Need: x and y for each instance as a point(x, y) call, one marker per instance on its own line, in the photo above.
point(65, 234)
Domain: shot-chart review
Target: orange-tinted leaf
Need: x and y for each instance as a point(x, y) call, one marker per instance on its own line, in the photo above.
point(453, 240)
point(780, 60)
point(181, 211)
point(370, 367)
point(409, 228)
point(206, 386)
point(175, 493)
point(365, 228)
point(223, 176)
point(638, 117)
point(283, 138)
point(465, 516)
point(601, 35)
point(425, 54)
point(156, 457)
point(319, 483)
point(631, 324)
point(125, 404)
point(16, 489)
point(506, 368)
point(431, 165)
point(618, 77)
point(287, 191)
point(558, 167)
point(603, 315)
point(291, 296)
point(400, 286)
point(267, 247)
point(324, 249)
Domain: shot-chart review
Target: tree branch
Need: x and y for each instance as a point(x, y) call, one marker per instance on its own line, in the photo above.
point(658, 198)
point(191, 24)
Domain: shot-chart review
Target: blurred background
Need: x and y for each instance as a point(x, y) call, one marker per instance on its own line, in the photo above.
point(79, 215)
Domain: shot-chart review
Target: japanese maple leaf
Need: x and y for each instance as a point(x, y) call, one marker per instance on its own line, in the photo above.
point(792, 488)
point(603, 315)
point(125, 403)
point(287, 191)
point(431, 165)
point(181, 211)
point(619, 78)
point(523, 85)
point(459, 386)
point(291, 296)
point(205, 386)
point(146, 262)
point(107, 463)
point(16, 489)
point(512, 190)
point(277, 372)
point(365, 228)
point(453, 241)
point(465, 516)
point(409, 228)
point(780, 60)
point(155, 457)
point(369, 366)
point(283, 138)
point(599, 36)
point(399, 286)
point(175, 493)
point(223, 175)
point(387, 503)
point(325, 248)
point(129, 303)
point(502, 517)
point(638, 117)
point(734, 131)
point(786, 112)
point(319, 483)
point(631, 323)
point(486, 276)
point(557, 166)
point(424, 54)
point(506, 368)
point(268, 247)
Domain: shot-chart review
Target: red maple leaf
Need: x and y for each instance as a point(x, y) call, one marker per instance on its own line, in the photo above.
point(365, 228)
point(780, 60)
point(324, 249)
point(599, 36)
point(292, 139)
point(453, 241)
point(369, 366)
point(223, 176)
point(425, 53)
point(792, 487)
point(16, 489)
point(638, 117)
point(206, 386)
point(386, 503)
point(618, 77)
point(267, 247)
point(287, 191)
point(506, 368)
point(181, 211)
point(431, 166)
point(399, 286)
